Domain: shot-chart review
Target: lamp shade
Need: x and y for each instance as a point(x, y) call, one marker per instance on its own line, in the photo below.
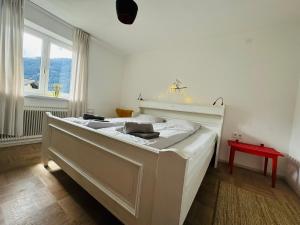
point(126, 11)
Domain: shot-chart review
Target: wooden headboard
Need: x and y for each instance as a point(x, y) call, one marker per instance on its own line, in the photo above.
point(209, 116)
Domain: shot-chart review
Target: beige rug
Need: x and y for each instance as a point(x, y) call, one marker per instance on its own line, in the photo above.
point(237, 206)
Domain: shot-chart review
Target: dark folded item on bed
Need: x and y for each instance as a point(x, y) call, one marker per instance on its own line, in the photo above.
point(92, 117)
point(149, 135)
point(131, 127)
point(142, 130)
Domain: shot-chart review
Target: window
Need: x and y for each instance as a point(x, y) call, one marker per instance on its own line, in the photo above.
point(47, 65)
point(32, 56)
point(60, 68)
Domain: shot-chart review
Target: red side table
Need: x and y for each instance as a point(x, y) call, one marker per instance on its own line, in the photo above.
point(255, 150)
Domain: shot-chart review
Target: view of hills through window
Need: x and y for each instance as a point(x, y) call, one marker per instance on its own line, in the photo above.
point(59, 72)
point(59, 68)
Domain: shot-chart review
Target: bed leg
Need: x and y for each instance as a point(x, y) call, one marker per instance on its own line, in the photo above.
point(45, 163)
point(45, 142)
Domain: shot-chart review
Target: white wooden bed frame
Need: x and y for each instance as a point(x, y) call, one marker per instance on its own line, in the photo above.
point(140, 185)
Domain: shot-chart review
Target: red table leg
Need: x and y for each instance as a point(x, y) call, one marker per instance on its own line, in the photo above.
point(274, 170)
point(266, 166)
point(231, 159)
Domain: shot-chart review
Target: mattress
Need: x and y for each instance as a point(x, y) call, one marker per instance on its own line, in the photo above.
point(198, 149)
point(196, 144)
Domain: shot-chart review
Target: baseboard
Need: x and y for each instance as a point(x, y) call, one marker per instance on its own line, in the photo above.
point(281, 176)
point(26, 141)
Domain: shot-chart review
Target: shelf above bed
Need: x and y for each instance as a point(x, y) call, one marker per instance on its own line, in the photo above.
point(202, 109)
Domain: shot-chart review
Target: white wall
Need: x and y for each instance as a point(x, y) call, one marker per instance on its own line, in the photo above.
point(293, 164)
point(105, 66)
point(295, 136)
point(256, 73)
point(105, 79)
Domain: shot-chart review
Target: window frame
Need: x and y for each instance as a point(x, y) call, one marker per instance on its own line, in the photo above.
point(47, 39)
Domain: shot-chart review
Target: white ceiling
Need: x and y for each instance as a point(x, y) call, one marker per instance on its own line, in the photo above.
point(162, 21)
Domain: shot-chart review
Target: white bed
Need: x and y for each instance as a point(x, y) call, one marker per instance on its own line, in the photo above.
point(139, 184)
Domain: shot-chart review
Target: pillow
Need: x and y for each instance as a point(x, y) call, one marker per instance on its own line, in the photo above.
point(124, 112)
point(183, 124)
point(150, 119)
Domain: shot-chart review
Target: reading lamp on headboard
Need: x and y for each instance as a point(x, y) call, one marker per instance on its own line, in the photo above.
point(220, 98)
point(140, 98)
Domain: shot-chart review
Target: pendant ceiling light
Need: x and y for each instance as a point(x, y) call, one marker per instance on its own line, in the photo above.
point(126, 11)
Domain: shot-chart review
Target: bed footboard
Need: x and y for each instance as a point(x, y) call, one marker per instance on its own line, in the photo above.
point(137, 184)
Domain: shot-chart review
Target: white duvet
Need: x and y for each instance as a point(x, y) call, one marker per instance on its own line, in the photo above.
point(196, 144)
point(170, 133)
point(95, 124)
point(114, 122)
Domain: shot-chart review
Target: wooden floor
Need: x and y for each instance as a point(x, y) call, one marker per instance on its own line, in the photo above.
point(36, 196)
point(19, 156)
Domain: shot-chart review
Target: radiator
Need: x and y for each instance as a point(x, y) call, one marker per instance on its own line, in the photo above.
point(32, 125)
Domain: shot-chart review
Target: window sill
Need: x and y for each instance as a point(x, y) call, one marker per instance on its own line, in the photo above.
point(46, 97)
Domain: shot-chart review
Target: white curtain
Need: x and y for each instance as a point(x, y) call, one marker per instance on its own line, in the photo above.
point(11, 67)
point(78, 95)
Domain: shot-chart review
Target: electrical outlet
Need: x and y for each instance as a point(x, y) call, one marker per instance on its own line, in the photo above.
point(235, 135)
point(240, 137)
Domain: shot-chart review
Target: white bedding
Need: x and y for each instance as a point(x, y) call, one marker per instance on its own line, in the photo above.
point(176, 134)
point(198, 149)
point(113, 122)
point(95, 124)
point(197, 143)
point(169, 135)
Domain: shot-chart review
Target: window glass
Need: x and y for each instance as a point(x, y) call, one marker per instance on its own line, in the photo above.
point(47, 64)
point(59, 69)
point(32, 57)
